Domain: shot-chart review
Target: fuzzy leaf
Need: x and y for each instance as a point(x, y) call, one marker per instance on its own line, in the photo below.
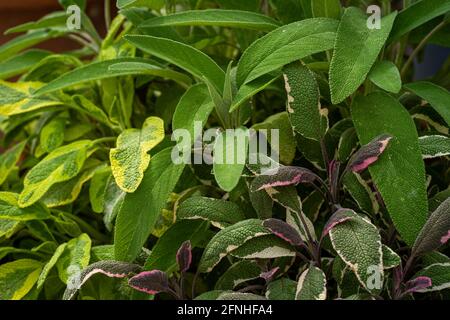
point(60, 165)
point(151, 282)
point(229, 239)
point(50, 264)
point(418, 284)
point(283, 231)
point(386, 76)
point(281, 289)
point(390, 258)
point(184, 256)
point(285, 45)
point(214, 17)
point(358, 243)
point(435, 232)
point(74, 259)
point(130, 158)
point(139, 211)
point(283, 177)
point(436, 96)
point(220, 213)
point(264, 247)
point(434, 146)
point(439, 273)
point(52, 134)
point(17, 98)
point(20, 63)
point(399, 173)
point(351, 64)
point(10, 210)
point(303, 101)
point(340, 216)
point(230, 155)
point(238, 273)
point(326, 8)
point(9, 159)
point(312, 285)
point(369, 153)
point(17, 278)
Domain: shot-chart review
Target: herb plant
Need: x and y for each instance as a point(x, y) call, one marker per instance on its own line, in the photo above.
point(93, 205)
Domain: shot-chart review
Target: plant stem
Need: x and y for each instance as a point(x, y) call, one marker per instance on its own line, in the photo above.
point(83, 42)
point(420, 46)
point(107, 14)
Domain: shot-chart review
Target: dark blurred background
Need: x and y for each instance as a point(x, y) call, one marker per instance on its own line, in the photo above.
point(15, 12)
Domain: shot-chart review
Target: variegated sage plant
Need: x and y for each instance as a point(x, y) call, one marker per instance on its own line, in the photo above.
point(92, 205)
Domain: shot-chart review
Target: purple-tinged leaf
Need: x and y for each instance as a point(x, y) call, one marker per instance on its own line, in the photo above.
point(151, 282)
point(284, 231)
point(338, 217)
point(269, 275)
point(369, 153)
point(435, 232)
point(418, 284)
point(184, 256)
point(112, 269)
point(282, 177)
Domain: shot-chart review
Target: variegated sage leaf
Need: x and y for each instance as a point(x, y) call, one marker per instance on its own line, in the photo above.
point(74, 259)
point(238, 273)
point(264, 247)
point(130, 158)
point(151, 282)
point(439, 273)
point(17, 278)
point(229, 239)
point(434, 146)
point(283, 231)
point(17, 98)
point(219, 212)
point(369, 153)
point(9, 159)
point(312, 285)
point(184, 256)
point(358, 243)
point(282, 177)
point(390, 258)
point(303, 101)
point(435, 232)
point(60, 165)
point(10, 209)
point(109, 268)
point(281, 289)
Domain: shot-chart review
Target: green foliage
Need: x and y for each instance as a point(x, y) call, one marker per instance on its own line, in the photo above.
point(354, 206)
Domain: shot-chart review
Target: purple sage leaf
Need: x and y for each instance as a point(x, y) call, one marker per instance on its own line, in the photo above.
point(112, 269)
point(436, 230)
point(369, 153)
point(338, 217)
point(418, 284)
point(151, 282)
point(184, 256)
point(282, 177)
point(269, 275)
point(284, 231)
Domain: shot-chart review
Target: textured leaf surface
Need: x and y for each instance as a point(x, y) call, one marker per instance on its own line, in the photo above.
point(214, 17)
point(130, 158)
point(264, 247)
point(139, 211)
point(281, 289)
point(52, 134)
point(112, 269)
point(10, 210)
point(60, 165)
point(229, 239)
point(438, 97)
point(74, 259)
point(434, 146)
point(351, 64)
point(285, 45)
point(312, 285)
point(21, 63)
point(8, 160)
point(386, 76)
point(436, 231)
point(439, 274)
point(390, 258)
point(399, 173)
point(358, 243)
point(50, 264)
point(220, 213)
point(238, 273)
point(303, 101)
point(17, 98)
point(17, 278)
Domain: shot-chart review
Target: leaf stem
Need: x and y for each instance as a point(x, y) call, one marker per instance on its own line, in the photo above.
point(107, 14)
